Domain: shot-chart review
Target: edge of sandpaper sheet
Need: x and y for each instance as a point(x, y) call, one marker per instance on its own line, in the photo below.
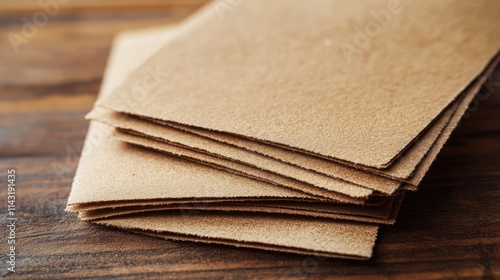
point(77, 207)
point(387, 178)
point(158, 223)
point(385, 214)
point(307, 176)
point(255, 246)
point(125, 134)
point(228, 242)
point(160, 146)
point(426, 163)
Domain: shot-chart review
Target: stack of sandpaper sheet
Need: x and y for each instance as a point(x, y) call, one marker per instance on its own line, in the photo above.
point(283, 125)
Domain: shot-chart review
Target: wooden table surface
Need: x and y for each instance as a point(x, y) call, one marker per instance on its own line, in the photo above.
point(449, 229)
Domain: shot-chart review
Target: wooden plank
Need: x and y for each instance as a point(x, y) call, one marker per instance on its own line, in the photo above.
point(23, 6)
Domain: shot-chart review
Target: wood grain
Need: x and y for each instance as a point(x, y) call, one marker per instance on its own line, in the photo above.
point(450, 229)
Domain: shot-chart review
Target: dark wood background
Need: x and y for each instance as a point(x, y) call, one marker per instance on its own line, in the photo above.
point(449, 229)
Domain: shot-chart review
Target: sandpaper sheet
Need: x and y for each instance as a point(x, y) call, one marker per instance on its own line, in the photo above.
point(382, 210)
point(214, 152)
point(406, 163)
point(243, 169)
point(317, 104)
point(110, 171)
point(113, 171)
point(90, 206)
point(356, 174)
point(231, 158)
point(382, 214)
point(401, 169)
point(429, 158)
point(345, 179)
point(305, 235)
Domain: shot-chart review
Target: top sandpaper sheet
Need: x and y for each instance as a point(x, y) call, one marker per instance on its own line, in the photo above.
point(265, 72)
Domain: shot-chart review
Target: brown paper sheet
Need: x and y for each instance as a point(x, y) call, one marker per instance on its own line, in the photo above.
point(216, 153)
point(264, 168)
point(245, 170)
point(287, 233)
point(90, 206)
point(408, 162)
point(317, 104)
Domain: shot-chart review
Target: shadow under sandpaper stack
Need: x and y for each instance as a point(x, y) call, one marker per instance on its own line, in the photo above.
point(250, 130)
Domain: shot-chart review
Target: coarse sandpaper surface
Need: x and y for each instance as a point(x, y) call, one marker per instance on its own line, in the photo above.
point(412, 159)
point(317, 104)
point(429, 158)
point(409, 167)
point(277, 232)
point(389, 179)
